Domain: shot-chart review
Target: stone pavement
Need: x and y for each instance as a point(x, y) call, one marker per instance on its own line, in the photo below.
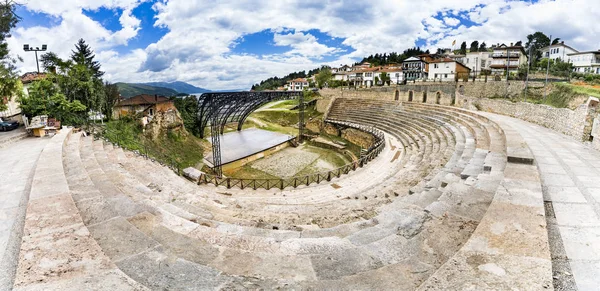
point(18, 161)
point(570, 174)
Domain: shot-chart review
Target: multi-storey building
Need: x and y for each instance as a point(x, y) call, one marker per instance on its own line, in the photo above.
point(585, 62)
point(297, 84)
point(478, 61)
point(414, 68)
point(447, 69)
point(558, 51)
point(507, 58)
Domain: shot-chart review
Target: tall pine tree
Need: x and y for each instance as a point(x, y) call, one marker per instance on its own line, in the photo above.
point(84, 55)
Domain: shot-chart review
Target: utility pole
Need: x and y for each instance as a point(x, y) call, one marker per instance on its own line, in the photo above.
point(527, 77)
point(27, 48)
point(507, 62)
point(547, 70)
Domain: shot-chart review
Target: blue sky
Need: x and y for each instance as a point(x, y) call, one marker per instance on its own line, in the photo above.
point(233, 44)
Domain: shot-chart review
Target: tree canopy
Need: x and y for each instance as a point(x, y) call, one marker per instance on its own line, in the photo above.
point(535, 42)
point(474, 46)
point(463, 48)
point(84, 55)
point(9, 83)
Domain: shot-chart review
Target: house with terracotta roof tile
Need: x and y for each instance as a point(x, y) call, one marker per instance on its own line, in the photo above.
point(297, 84)
point(144, 104)
point(447, 69)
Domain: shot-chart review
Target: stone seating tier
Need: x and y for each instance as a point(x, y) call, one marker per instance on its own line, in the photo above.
point(427, 195)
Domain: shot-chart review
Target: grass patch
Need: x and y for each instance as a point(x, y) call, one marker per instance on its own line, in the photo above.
point(581, 89)
point(330, 156)
point(173, 148)
point(247, 172)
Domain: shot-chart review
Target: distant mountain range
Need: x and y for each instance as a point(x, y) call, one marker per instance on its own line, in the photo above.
point(159, 88)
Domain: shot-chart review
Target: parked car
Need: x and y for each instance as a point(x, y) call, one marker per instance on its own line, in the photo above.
point(6, 125)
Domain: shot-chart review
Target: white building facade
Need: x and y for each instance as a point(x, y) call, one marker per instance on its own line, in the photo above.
point(478, 61)
point(558, 51)
point(586, 62)
point(447, 70)
point(297, 84)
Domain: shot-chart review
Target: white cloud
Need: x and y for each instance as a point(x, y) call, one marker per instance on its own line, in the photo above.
point(201, 34)
point(451, 21)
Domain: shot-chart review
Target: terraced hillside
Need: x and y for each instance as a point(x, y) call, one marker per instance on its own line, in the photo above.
point(440, 208)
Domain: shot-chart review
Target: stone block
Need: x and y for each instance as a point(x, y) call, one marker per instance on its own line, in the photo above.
point(192, 173)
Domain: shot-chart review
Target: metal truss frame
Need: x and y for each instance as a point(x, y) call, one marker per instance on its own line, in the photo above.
point(218, 109)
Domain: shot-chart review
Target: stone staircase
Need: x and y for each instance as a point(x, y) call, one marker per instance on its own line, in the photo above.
point(399, 223)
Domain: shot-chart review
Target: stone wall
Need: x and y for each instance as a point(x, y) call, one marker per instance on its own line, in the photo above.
point(573, 123)
point(358, 137)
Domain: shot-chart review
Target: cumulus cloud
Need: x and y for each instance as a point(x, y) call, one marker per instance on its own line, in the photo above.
point(198, 47)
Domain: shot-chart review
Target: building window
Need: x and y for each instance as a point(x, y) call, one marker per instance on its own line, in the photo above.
point(435, 66)
point(467, 60)
point(445, 76)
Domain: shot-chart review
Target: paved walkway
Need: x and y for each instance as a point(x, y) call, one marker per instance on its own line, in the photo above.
point(17, 162)
point(570, 175)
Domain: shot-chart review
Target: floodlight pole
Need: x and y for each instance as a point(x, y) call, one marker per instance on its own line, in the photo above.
point(300, 116)
point(527, 77)
point(27, 48)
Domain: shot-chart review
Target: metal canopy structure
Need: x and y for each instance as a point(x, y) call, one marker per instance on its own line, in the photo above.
point(218, 109)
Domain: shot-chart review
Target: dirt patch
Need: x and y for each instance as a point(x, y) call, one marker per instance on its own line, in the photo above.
point(286, 163)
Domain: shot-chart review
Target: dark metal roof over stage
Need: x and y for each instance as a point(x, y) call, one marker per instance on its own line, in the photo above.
point(240, 144)
point(226, 107)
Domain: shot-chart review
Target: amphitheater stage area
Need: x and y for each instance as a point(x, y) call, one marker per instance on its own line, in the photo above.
point(241, 147)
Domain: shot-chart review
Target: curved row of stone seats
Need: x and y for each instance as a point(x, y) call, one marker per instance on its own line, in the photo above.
point(440, 206)
point(57, 250)
point(371, 112)
point(510, 247)
point(399, 242)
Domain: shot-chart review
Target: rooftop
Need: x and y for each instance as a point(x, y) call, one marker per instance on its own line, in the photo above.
point(143, 99)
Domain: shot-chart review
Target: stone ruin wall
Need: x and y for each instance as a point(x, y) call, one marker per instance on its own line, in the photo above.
point(358, 137)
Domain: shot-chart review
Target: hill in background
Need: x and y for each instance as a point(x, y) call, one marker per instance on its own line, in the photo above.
point(180, 87)
point(130, 89)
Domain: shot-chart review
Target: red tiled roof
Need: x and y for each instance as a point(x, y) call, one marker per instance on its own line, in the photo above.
point(299, 80)
point(143, 99)
point(32, 76)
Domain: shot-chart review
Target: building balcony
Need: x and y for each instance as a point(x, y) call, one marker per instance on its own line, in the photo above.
point(503, 55)
point(502, 66)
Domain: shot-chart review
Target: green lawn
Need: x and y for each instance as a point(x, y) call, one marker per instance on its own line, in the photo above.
point(579, 89)
point(183, 150)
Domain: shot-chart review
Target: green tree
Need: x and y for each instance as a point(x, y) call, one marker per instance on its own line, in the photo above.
point(188, 108)
point(45, 99)
point(385, 78)
point(323, 77)
point(84, 55)
point(9, 82)
point(519, 43)
point(463, 48)
point(474, 46)
point(482, 47)
point(556, 41)
point(534, 43)
point(111, 96)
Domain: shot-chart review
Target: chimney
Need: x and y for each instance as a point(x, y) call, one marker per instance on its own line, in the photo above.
point(511, 44)
point(562, 42)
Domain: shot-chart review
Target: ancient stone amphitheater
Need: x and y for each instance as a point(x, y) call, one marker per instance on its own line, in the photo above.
point(453, 202)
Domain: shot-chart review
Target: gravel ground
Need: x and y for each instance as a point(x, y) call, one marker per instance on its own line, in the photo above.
point(287, 162)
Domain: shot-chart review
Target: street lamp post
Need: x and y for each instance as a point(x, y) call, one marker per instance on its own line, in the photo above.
point(27, 48)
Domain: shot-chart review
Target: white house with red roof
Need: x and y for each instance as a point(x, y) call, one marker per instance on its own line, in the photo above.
point(297, 84)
